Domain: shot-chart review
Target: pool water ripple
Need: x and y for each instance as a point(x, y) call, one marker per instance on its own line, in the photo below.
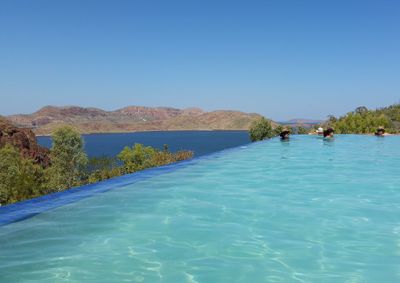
point(306, 210)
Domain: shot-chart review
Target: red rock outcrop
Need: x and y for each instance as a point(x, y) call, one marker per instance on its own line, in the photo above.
point(25, 141)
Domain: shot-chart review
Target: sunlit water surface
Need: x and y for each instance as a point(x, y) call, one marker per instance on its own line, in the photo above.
point(306, 210)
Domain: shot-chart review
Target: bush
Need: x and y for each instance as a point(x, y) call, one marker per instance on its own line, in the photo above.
point(183, 155)
point(137, 157)
point(261, 129)
point(104, 174)
point(20, 178)
point(102, 168)
point(140, 157)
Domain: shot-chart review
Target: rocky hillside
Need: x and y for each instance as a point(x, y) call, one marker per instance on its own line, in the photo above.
point(132, 118)
point(25, 141)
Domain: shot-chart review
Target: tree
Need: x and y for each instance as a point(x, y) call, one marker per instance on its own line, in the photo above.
point(68, 159)
point(261, 129)
point(20, 178)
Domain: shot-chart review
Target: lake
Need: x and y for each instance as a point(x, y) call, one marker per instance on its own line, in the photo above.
point(201, 142)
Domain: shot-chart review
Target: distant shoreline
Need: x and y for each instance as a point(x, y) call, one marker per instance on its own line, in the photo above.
point(147, 131)
point(88, 120)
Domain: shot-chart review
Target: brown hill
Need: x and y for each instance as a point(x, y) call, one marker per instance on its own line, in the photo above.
point(132, 118)
point(25, 141)
point(305, 123)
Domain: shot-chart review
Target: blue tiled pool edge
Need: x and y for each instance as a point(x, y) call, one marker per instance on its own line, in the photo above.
point(25, 209)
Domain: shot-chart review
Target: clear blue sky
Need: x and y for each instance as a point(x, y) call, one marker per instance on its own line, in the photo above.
point(283, 59)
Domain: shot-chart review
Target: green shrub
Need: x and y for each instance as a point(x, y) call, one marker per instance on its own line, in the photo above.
point(140, 157)
point(261, 129)
point(20, 178)
point(102, 168)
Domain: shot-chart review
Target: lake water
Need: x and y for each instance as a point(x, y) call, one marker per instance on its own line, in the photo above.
point(306, 210)
point(201, 142)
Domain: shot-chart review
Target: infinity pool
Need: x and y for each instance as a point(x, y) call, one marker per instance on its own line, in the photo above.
point(306, 210)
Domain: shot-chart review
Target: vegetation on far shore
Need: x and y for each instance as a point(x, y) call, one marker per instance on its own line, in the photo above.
point(365, 121)
point(21, 178)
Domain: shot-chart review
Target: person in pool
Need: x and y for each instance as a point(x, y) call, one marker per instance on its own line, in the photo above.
point(380, 132)
point(328, 133)
point(284, 134)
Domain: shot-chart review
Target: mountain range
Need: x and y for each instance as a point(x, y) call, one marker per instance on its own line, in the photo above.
point(306, 123)
point(132, 118)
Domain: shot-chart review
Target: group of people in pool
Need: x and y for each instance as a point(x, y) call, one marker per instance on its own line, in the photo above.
point(328, 133)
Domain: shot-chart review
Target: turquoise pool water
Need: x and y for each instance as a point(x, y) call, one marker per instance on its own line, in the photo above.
point(306, 210)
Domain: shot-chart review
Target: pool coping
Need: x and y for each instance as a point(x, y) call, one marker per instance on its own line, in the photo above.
point(26, 209)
